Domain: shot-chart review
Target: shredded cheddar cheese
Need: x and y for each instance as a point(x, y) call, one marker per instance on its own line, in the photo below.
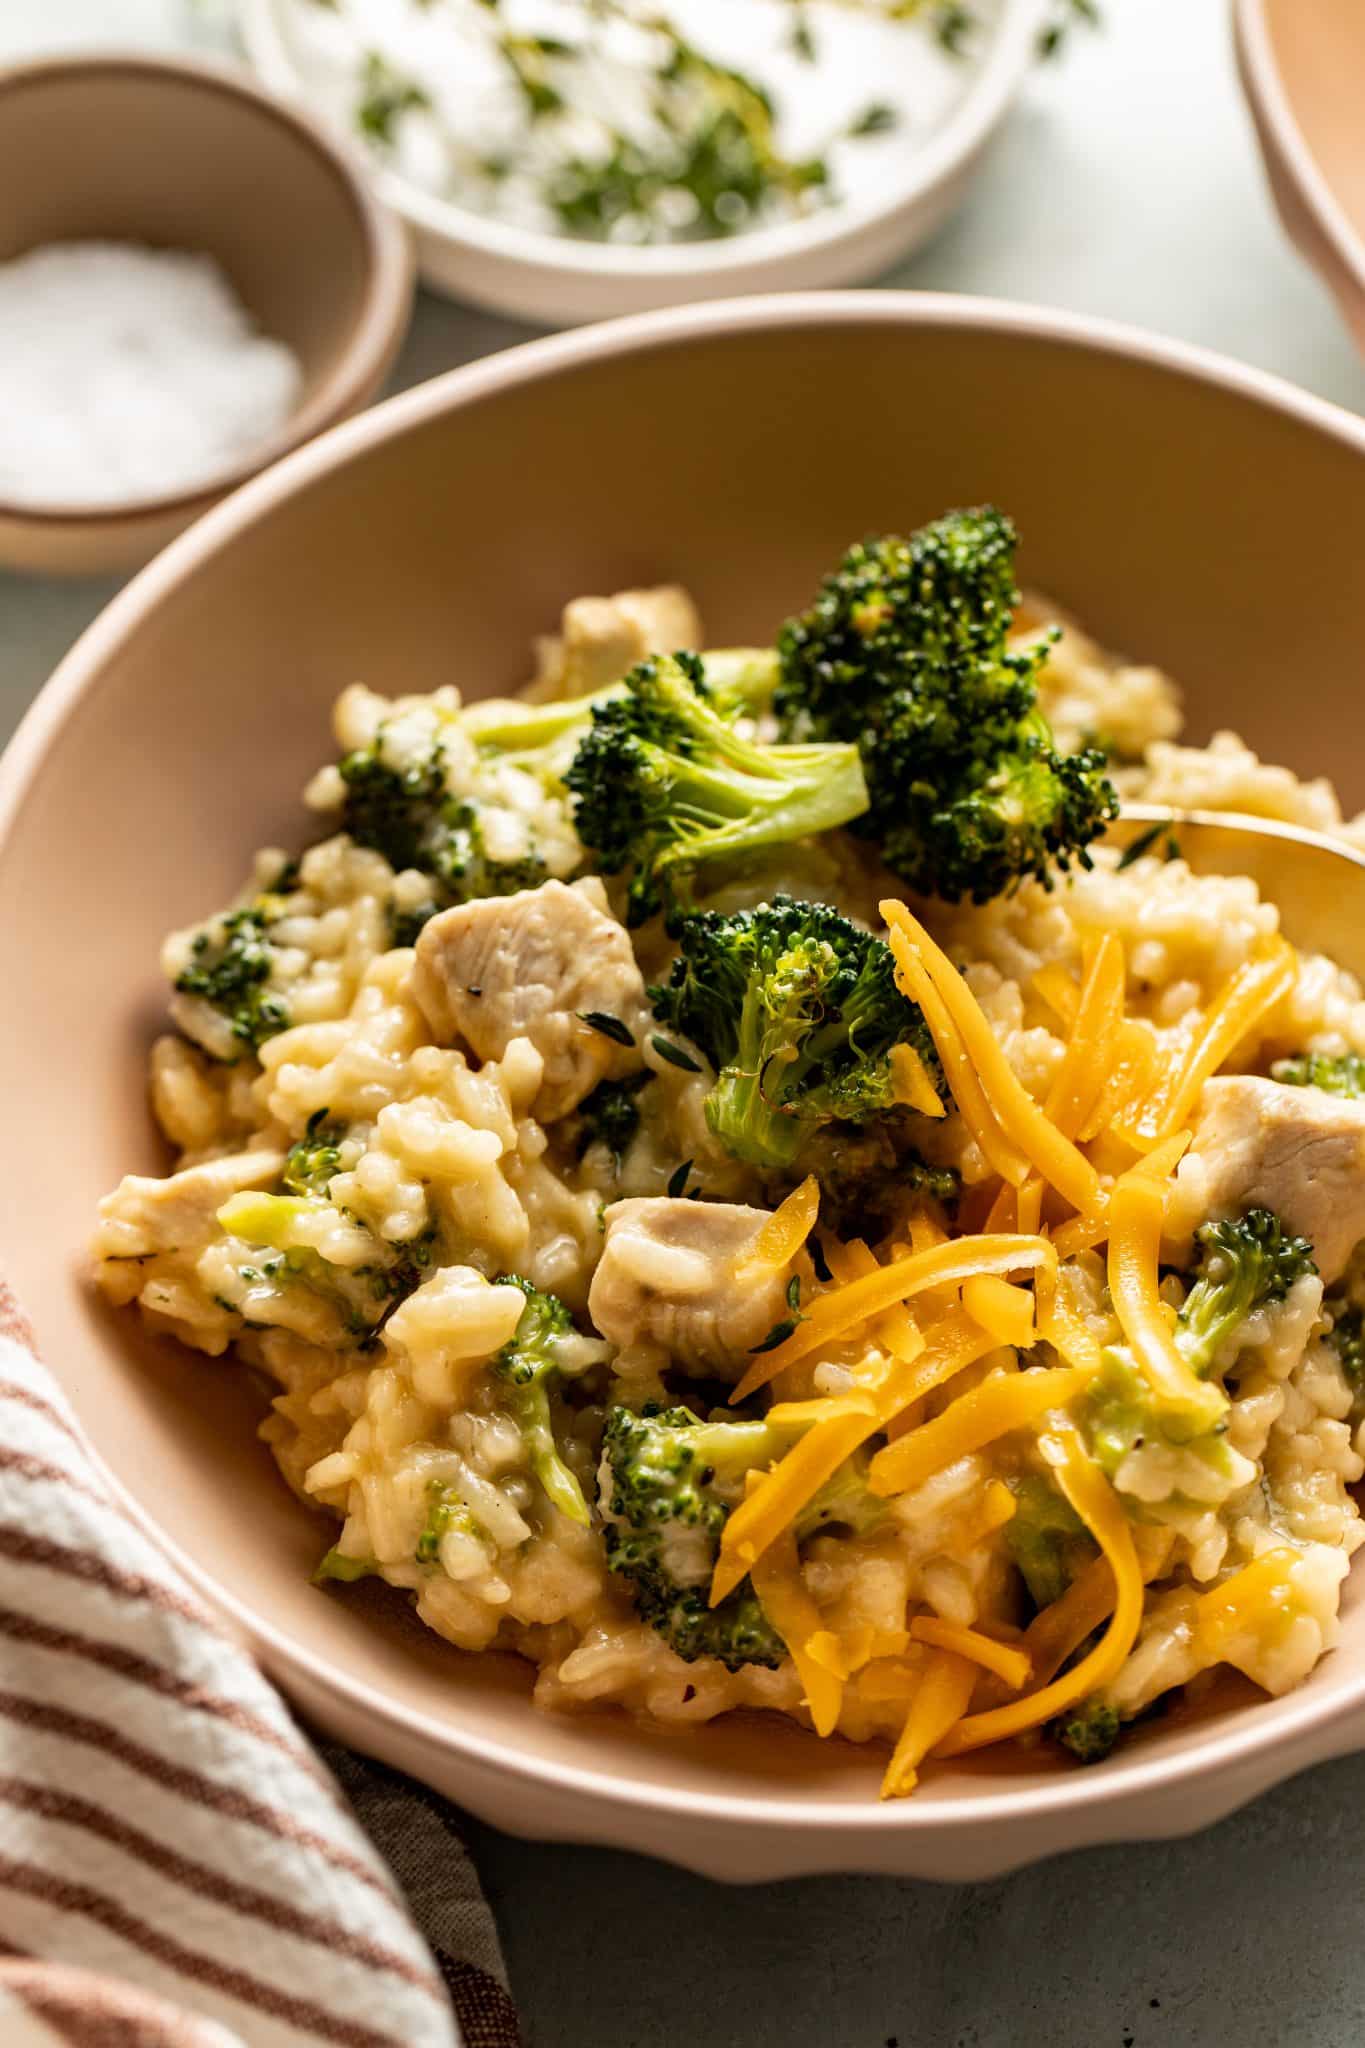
point(785, 1231)
point(1098, 1506)
point(1088, 1062)
point(912, 1084)
point(1002, 1403)
point(1137, 1207)
point(1250, 995)
point(1009, 1663)
point(778, 1583)
point(940, 1700)
point(1007, 1312)
point(841, 1310)
point(1025, 1124)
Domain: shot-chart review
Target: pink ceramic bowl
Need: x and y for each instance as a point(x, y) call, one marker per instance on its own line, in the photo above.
point(1303, 66)
point(1196, 514)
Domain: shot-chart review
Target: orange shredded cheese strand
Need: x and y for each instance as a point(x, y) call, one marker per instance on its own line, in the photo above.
point(840, 1310)
point(1003, 1403)
point(1251, 993)
point(896, 1331)
point(781, 1237)
point(996, 1507)
point(842, 1422)
point(1003, 1212)
point(1137, 1206)
point(1058, 1632)
point(1263, 1584)
point(1135, 1057)
point(1030, 1206)
point(789, 1607)
point(1098, 1506)
point(958, 1068)
point(941, 1698)
point(1059, 991)
point(1080, 1080)
point(910, 1078)
point(1062, 1325)
point(1006, 1661)
point(1025, 1124)
point(1007, 1312)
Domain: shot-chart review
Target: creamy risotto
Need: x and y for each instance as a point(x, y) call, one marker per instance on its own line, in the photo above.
point(742, 1199)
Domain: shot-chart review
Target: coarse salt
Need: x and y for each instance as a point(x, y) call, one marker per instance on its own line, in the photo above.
point(129, 374)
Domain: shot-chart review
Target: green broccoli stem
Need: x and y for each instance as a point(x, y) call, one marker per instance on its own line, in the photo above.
point(742, 678)
point(769, 797)
point(529, 1407)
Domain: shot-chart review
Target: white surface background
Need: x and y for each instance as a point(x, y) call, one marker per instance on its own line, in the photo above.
point(1126, 184)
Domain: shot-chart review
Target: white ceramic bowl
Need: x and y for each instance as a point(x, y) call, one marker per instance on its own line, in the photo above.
point(559, 280)
point(1303, 66)
point(737, 447)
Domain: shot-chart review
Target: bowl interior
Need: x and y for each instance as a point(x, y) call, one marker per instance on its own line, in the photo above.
point(178, 157)
point(1319, 48)
point(1188, 522)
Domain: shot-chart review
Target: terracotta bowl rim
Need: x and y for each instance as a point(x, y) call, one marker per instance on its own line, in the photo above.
point(374, 335)
point(1308, 1724)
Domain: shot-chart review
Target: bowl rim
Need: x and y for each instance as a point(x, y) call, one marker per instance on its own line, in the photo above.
point(1301, 1723)
point(994, 81)
point(374, 336)
point(1266, 89)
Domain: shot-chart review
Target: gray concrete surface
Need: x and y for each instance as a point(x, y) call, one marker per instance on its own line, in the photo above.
point(1125, 184)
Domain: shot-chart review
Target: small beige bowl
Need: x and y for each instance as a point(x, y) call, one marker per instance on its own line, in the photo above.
point(1303, 66)
point(431, 538)
point(187, 155)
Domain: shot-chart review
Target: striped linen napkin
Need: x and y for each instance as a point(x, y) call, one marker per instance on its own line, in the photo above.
point(177, 1865)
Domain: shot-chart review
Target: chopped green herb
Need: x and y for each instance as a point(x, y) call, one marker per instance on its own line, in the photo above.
point(609, 1026)
point(675, 1055)
point(677, 1180)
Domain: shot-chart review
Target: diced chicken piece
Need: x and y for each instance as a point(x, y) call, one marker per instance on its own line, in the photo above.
point(527, 966)
point(668, 1273)
point(1297, 1151)
point(145, 1215)
point(600, 638)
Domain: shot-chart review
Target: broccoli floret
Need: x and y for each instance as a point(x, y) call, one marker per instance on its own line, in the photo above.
point(231, 961)
point(904, 652)
point(445, 1511)
point(1347, 1339)
point(1335, 1073)
point(663, 783)
point(310, 1164)
point(1047, 1540)
point(798, 1010)
point(611, 1115)
point(408, 815)
point(669, 1484)
point(333, 1565)
point(1246, 1263)
point(1089, 1731)
point(529, 1369)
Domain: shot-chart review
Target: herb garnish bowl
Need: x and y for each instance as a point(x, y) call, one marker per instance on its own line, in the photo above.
point(559, 279)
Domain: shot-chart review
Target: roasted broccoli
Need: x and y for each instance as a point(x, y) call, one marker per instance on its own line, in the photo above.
point(610, 1116)
point(669, 1483)
point(446, 1514)
point(529, 1369)
point(1046, 1539)
point(663, 783)
point(1246, 1263)
point(310, 1164)
point(798, 1010)
point(1340, 1073)
point(1347, 1339)
point(231, 960)
point(904, 651)
point(1089, 1731)
point(408, 814)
